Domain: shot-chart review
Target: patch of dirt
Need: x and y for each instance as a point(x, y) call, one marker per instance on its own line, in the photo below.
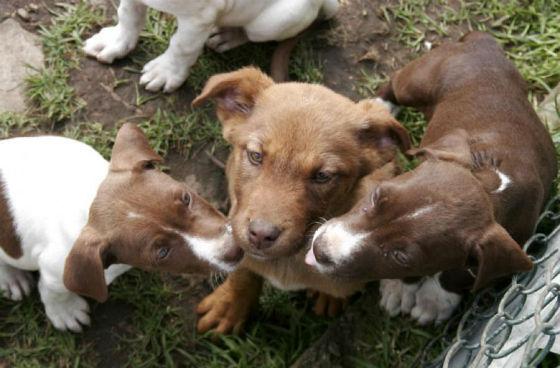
point(109, 320)
point(35, 12)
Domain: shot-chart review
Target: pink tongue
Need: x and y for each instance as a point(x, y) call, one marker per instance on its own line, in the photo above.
point(310, 258)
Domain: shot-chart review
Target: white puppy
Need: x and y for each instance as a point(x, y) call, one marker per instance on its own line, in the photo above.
point(225, 24)
point(81, 221)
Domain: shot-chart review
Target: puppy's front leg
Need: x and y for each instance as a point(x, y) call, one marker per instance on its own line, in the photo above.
point(116, 42)
point(397, 296)
point(434, 304)
point(14, 283)
point(66, 310)
point(169, 70)
point(228, 307)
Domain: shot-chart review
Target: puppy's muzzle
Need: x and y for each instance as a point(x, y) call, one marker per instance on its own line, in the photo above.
point(317, 256)
point(262, 234)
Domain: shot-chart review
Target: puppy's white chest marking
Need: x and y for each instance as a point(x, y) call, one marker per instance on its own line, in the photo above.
point(505, 181)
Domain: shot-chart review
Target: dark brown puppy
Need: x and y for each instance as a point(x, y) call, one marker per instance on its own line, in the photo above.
point(300, 152)
point(488, 165)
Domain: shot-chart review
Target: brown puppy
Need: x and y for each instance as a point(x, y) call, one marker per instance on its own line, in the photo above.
point(81, 221)
point(144, 218)
point(299, 153)
point(488, 165)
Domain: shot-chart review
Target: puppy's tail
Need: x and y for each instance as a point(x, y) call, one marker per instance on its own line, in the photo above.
point(281, 59)
point(281, 56)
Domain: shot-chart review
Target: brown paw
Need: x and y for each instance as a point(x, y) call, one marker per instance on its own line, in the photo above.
point(327, 305)
point(226, 310)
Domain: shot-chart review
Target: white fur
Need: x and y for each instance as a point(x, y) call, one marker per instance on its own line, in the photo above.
point(340, 243)
point(505, 181)
point(397, 296)
point(421, 211)
point(210, 250)
point(433, 303)
point(426, 301)
point(391, 107)
point(197, 20)
point(50, 183)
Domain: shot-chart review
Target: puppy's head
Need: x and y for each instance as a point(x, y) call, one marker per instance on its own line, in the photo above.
point(299, 151)
point(144, 218)
point(437, 217)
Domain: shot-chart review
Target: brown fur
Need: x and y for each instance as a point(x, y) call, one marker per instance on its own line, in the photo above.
point(9, 240)
point(161, 212)
point(480, 121)
point(299, 130)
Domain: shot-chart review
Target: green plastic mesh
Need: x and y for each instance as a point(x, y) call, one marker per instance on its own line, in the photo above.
point(517, 325)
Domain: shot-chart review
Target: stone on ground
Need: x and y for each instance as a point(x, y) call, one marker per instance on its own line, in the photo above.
point(548, 109)
point(20, 52)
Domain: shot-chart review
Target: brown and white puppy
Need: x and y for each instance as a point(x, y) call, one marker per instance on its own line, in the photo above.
point(299, 154)
point(81, 221)
point(488, 165)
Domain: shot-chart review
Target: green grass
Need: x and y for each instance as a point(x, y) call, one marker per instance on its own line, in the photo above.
point(158, 329)
point(49, 89)
point(528, 30)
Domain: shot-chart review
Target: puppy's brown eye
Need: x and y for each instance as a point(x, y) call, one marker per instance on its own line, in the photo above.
point(255, 157)
point(162, 253)
point(322, 177)
point(186, 199)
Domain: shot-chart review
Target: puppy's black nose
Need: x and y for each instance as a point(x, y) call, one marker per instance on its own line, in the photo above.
point(263, 234)
point(319, 251)
point(234, 254)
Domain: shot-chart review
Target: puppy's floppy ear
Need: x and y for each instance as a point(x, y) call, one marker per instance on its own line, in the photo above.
point(382, 127)
point(235, 93)
point(132, 150)
point(84, 267)
point(451, 147)
point(498, 255)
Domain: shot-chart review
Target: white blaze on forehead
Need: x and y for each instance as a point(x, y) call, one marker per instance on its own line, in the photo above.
point(505, 181)
point(421, 211)
point(134, 215)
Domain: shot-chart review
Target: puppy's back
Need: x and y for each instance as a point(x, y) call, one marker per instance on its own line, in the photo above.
point(49, 183)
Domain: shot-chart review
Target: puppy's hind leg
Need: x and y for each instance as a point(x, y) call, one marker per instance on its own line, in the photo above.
point(14, 283)
point(116, 42)
point(283, 20)
point(169, 70)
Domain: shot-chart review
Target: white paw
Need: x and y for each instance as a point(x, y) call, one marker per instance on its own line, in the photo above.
point(433, 303)
point(69, 312)
point(165, 72)
point(397, 296)
point(224, 39)
point(15, 283)
point(109, 44)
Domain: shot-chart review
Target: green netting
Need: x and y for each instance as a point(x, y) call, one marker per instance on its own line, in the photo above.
point(516, 325)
